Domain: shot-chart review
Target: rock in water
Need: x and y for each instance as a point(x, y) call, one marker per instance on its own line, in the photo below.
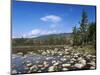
point(46, 64)
point(40, 66)
point(91, 63)
point(92, 68)
point(29, 64)
point(33, 68)
point(83, 62)
point(55, 64)
point(53, 61)
point(65, 69)
point(51, 69)
point(44, 53)
point(63, 59)
point(20, 53)
point(79, 66)
point(66, 65)
point(14, 71)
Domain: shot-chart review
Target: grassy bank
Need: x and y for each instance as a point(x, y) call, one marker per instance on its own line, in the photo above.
point(88, 49)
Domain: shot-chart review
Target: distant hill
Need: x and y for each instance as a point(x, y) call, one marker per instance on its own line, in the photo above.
point(48, 36)
point(61, 35)
point(52, 39)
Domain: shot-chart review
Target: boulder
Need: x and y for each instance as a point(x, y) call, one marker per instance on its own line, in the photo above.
point(66, 50)
point(34, 68)
point(44, 53)
point(55, 64)
point(40, 66)
point(66, 65)
point(29, 64)
point(65, 69)
point(82, 61)
point(51, 68)
point(46, 64)
point(92, 68)
point(20, 53)
point(91, 63)
point(14, 71)
point(79, 66)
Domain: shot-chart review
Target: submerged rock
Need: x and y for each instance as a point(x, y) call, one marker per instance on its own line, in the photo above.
point(39, 71)
point(26, 68)
point(63, 59)
point(53, 61)
point(14, 71)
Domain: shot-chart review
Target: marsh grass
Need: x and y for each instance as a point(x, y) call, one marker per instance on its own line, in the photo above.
point(88, 49)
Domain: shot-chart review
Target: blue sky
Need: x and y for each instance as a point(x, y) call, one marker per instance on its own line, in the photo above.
point(31, 19)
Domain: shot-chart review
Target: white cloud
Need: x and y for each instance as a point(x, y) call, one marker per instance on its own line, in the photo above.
point(32, 33)
point(39, 32)
point(51, 18)
point(35, 32)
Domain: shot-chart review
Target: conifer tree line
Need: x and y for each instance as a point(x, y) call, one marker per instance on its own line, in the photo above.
point(86, 33)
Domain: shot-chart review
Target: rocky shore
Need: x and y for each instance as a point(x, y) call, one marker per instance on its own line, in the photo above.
point(64, 59)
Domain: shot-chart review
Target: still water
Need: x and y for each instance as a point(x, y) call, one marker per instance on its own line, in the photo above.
point(19, 61)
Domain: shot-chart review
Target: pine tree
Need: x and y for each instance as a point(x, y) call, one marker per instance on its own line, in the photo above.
point(83, 27)
point(74, 35)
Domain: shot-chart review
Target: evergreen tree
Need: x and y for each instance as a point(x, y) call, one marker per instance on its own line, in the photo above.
point(83, 27)
point(74, 35)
